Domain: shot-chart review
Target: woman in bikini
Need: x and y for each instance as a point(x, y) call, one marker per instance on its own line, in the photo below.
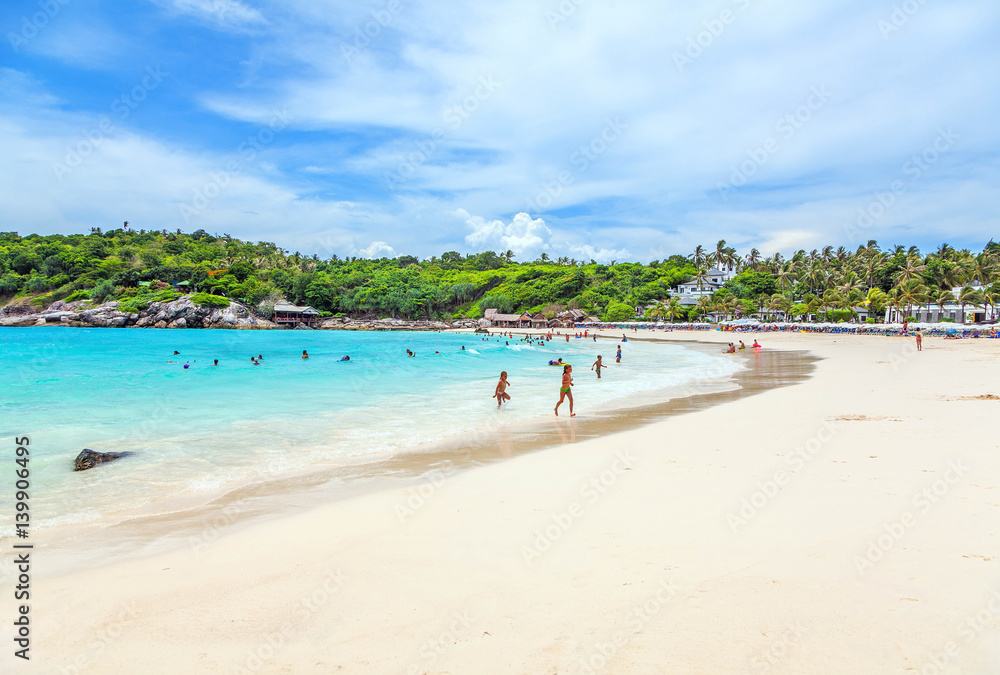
point(564, 390)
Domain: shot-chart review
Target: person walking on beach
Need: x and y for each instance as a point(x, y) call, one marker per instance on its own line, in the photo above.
point(920, 341)
point(564, 390)
point(618, 356)
point(501, 394)
point(597, 366)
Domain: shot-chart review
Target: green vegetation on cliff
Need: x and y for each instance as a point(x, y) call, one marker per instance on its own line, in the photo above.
point(138, 268)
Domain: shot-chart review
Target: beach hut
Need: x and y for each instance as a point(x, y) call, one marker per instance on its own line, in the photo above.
point(498, 320)
point(289, 314)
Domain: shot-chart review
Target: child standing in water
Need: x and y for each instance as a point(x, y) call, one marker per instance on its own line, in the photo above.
point(501, 394)
point(564, 390)
point(597, 366)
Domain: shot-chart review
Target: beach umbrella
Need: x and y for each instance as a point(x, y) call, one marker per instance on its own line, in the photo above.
point(951, 331)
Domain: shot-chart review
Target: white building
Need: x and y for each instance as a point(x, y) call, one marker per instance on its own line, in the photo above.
point(689, 292)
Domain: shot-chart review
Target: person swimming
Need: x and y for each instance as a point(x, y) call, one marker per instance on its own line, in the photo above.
point(305, 354)
point(345, 358)
point(555, 362)
point(216, 362)
point(176, 353)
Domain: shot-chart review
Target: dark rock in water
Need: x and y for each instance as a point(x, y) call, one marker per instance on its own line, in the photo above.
point(88, 459)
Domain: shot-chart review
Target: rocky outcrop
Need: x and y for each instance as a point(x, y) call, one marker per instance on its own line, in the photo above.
point(88, 459)
point(348, 323)
point(180, 313)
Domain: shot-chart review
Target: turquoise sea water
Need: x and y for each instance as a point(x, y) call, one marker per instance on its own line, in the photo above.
point(206, 426)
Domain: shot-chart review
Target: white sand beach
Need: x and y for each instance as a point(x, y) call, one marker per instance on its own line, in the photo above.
point(848, 524)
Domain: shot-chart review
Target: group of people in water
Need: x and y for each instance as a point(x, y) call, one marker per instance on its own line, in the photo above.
point(255, 360)
point(566, 386)
point(732, 349)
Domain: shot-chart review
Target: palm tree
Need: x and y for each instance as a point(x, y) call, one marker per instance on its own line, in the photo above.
point(699, 257)
point(700, 274)
point(705, 306)
point(724, 256)
point(910, 271)
point(753, 259)
point(780, 303)
point(969, 296)
point(943, 298)
point(910, 293)
point(675, 309)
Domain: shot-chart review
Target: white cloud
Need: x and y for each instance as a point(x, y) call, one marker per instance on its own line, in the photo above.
point(536, 143)
point(525, 237)
point(222, 13)
point(378, 249)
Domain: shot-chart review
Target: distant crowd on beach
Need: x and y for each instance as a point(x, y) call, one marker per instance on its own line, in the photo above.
point(891, 330)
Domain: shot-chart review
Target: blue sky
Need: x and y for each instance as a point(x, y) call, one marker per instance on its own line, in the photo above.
point(601, 129)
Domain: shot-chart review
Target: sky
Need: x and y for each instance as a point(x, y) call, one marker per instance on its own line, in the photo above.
point(588, 129)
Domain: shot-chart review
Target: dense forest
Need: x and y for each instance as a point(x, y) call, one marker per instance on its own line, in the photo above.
point(139, 267)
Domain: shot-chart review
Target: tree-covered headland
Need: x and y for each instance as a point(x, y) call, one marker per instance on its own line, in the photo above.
point(140, 267)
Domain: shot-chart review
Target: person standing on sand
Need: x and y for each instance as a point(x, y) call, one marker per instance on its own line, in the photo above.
point(920, 341)
point(618, 356)
point(564, 390)
point(597, 366)
point(501, 394)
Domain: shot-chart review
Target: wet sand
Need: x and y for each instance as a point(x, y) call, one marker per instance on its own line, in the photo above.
point(191, 520)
